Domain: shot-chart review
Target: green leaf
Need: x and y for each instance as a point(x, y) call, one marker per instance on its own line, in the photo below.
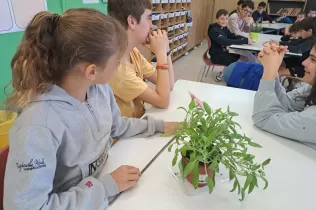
point(207, 108)
point(256, 167)
point(231, 174)
point(183, 109)
point(214, 164)
point(196, 175)
point(174, 161)
point(188, 168)
point(166, 135)
point(192, 104)
point(242, 194)
point(235, 186)
point(180, 164)
point(210, 139)
point(210, 184)
point(266, 162)
point(237, 124)
point(233, 114)
point(252, 185)
point(253, 144)
point(170, 147)
point(184, 149)
point(266, 182)
point(248, 181)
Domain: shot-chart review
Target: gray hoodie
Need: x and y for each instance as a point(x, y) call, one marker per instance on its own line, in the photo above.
point(58, 146)
point(285, 114)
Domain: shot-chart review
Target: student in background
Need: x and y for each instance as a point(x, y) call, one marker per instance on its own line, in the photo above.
point(284, 18)
point(239, 3)
point(312, 13)
point(68, 114)
point(221, 38)
point(291, 115)
point(294, 33)
point(300, 16)
point(261, 15)
point(240, 23)
point(128, 85)
point(293, 65)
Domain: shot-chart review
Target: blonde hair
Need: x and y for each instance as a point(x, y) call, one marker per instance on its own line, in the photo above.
point(52, 45)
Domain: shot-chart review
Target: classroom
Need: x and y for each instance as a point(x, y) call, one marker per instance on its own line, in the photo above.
point(157, 104)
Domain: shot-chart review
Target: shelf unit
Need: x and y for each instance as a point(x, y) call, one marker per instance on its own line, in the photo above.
point(276, 5)
point(171, 15)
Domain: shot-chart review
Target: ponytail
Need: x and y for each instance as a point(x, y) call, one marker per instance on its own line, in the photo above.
point(52, 45)
point(33, 65)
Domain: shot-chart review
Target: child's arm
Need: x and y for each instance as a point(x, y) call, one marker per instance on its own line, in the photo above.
point(217, 37)
point(30, 173)
point(287, 20)
point(301, 47)
point(123, 127)
point(266, 17)
point(234, 27)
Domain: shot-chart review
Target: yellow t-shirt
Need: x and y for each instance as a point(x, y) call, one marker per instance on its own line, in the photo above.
point(128, 84)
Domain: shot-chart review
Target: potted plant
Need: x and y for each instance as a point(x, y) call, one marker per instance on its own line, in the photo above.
point(255, 30)
point(208, 138)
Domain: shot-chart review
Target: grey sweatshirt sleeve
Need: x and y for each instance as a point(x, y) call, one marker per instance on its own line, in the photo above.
point(30, 174)
point(273, 113)
point(123, 127)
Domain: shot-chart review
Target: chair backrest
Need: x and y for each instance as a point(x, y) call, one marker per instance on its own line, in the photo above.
point(205, 57)
point(3, 161)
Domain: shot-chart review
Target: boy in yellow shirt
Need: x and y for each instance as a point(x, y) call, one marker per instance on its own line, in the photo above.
point(128, 85)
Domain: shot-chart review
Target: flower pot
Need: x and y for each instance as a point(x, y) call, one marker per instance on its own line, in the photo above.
point(254, 36)
point(202, 174)
point(6, 121)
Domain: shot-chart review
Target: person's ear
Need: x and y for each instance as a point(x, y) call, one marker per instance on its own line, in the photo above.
point(90, 72)
point(132, 22)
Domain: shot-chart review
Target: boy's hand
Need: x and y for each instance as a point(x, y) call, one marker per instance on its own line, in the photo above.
point(170, 127)
point(126, 177)
point(159, 43)
point(251, 42)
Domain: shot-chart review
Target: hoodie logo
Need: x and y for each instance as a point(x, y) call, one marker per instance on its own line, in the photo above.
point(33, 164)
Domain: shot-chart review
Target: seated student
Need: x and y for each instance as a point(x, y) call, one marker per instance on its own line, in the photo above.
point(291, 115)
point(68, 114)
point(300, 16)
point(239, 3)
point(261, 15)
point(284, 18)
point(221, 37)
point(293, 34)
point(240, 23)
point(312, 13)
point(128, 85)
point(292, 65)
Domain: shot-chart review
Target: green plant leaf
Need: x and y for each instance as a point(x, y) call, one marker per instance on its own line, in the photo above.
point(235, 186)
point(242, 194)
point(233, 114)
point(184, 149)
point(192, 104)
point(207, 108)
point(248, 181)
point(180, 164)
point(252, 184)
point(214, 164)
point(231, 174)
point(210, 184)
point(256, 167)
point(188, 168)
point(253, 144)
point(174, 161)
point(183, 109)
point(170, 147)
point(196, 175)
point(166, 135)
point(266, 162)
point(266, 182)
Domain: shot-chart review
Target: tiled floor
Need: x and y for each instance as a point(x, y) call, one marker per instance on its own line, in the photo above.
point(188, 67)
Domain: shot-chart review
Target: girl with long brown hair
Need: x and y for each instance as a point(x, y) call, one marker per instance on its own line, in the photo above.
point(68, 115)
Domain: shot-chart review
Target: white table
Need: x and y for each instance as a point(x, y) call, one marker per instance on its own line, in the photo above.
point(275, 26)
point(291, 173)
point(258, 46)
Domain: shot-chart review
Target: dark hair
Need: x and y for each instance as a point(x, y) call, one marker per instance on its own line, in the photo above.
point(308, 24)
point(301, 13)
point(262, 4)
point(121, 9)
point(296, 27)
point(249, 4)
point(311, 99)
point(240, 2)
point(53, 44)
point(221, 12)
